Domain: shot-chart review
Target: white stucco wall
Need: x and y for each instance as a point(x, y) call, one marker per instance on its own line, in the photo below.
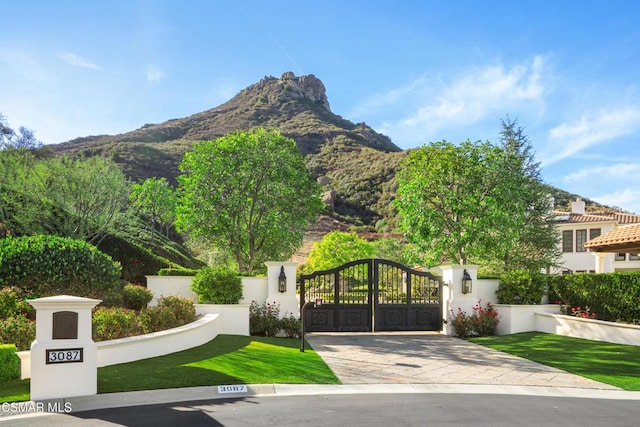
point(591, 329)
point(130, 349)
point(170, 285)
point(233, 318)
point(520, 318)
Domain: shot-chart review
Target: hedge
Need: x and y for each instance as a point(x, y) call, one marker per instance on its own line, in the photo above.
point(177, 272)
point(51, 265)
point(217, 285)
point(9, 363)
point(521, 287)
point(612, 296)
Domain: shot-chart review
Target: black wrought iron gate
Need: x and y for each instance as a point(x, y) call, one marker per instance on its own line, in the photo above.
point(371, 295)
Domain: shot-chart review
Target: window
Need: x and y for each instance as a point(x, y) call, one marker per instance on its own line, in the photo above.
point(634, 256)
point(567, 241)
point(621, 256)
point(594, 232)
point(581, 238)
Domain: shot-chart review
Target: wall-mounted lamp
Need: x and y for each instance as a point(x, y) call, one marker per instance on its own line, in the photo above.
point(282, 281)
point(466, 282)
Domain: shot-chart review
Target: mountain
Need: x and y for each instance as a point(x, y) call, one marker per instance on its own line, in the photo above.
point(296, 106)
point(355, 164)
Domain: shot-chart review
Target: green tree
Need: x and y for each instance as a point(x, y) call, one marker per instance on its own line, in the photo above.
point(391, 249)
point(81, 199)
point(10, 139)
point(157, 200)
point(249, 192)
point(17, 201)
point(448, 199)
point(530, 240)
point(478, 201)
point(337, 248)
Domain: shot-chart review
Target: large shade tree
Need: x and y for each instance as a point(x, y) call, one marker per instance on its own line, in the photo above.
point(476, 201)
point(447, 199)
point(249, 192)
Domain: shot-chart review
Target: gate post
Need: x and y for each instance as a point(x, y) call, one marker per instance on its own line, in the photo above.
point(287, 300)
point(452, 296)
point(64, 358)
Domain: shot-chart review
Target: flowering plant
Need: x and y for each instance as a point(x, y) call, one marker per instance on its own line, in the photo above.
point(264, 319)
point(578, 311)
point(482, 322)
point(585, 312)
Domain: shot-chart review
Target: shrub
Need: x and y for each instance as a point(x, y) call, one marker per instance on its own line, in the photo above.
point(291, 326)
point(171, 312)
point(110, 323)
point(51, 265)
point(136, 297)
point(9, 363)
point(154, 319)
point(264, 319)
point(485, 319)
point(521, 287)
point(8, 302)
point(17, 330)
point(462, 323)
point(183, 309)
point(13, 303)
point(482, 322)
point(217, 285)
point(112, 297)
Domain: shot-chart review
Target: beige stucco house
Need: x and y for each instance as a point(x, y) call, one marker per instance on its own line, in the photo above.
point(578, 227)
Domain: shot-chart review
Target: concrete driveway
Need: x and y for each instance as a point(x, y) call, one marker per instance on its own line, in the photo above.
point(432, 358)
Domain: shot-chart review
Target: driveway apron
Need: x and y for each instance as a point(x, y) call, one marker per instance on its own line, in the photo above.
point(432, 358)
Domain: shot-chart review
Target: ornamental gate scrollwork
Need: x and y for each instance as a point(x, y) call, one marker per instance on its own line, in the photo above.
point(372, 295)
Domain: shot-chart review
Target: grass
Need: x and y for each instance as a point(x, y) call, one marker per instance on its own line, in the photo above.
point(228, 359)
point(614, 364)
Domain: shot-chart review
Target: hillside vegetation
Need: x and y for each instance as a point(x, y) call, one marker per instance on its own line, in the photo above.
point(355, 162)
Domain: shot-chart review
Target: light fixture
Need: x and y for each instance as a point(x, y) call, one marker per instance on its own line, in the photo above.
point(466, 282)
point(282, 281)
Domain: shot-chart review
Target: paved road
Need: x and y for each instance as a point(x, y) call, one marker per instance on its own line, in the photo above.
point(361, 410)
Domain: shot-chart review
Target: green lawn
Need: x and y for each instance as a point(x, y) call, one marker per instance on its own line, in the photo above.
point(615, 364)
point(228, 359)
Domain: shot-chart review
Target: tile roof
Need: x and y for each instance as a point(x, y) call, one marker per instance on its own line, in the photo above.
point(617, 217)
point(625, 238)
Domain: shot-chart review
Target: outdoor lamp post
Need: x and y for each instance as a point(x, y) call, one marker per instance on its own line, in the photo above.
point(282, 281)
point(466, 282)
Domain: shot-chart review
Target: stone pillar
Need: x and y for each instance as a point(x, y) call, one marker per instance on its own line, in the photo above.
point(64, 357)
point(288, 300)
point(452, 297)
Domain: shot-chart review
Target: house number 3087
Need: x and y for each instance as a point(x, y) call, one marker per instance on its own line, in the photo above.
point(68, 355)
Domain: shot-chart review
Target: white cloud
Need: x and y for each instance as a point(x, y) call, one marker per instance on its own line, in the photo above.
point(626, 198)
point(154, 74)
point(618, 170)
point(590, 130)
point(465, 100)
point(78, 61)
point(394, 96)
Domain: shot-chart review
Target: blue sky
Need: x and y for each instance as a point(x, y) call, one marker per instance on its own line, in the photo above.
point(417, 71)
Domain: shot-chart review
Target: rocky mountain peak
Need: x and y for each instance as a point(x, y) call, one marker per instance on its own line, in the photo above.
point(288, 88)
